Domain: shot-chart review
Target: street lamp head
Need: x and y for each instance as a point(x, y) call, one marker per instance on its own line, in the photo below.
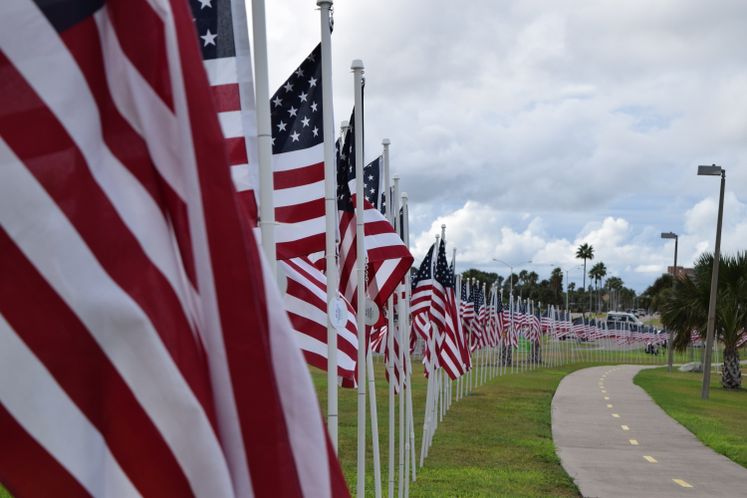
point(711, 170)
point(668, 235)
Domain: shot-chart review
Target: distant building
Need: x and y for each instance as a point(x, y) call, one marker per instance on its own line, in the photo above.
point(681, 270)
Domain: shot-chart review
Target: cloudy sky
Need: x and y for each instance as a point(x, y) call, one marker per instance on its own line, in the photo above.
point(529, 127)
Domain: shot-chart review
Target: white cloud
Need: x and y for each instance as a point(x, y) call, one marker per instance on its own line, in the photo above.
point(530, 126)
point(481, 233)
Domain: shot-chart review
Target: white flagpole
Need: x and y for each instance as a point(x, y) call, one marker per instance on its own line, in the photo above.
point(357, 67)
point(264, 134)
point(441, 376)
point(406, 295)
point(374, 425)
point(402, 326)
point(330, 206)
point(390, 214)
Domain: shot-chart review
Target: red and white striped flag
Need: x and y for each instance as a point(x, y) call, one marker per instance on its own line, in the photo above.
point(306, 304)
point(388, 258)
point(298, 160)
point(141, 348)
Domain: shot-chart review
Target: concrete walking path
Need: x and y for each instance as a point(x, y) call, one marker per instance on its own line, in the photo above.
point(613, 440)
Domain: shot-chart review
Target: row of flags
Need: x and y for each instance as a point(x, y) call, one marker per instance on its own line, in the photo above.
point(136, 298)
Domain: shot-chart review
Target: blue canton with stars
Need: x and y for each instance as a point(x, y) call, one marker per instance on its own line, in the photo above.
point(214, 26)
point(296, 108)
point(443, 275)
point(424, 273)
point(346, 166)
point(371, 182)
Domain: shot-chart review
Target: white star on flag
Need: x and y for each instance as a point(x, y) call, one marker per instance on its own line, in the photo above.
point(209, 38)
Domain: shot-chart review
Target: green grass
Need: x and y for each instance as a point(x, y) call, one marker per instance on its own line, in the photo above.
point(496, 442)
point(4, 493)
point(718, 422)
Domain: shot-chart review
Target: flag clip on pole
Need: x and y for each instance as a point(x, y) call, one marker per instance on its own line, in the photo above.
point(264, 135)
point(330, 205)
point(357, 67)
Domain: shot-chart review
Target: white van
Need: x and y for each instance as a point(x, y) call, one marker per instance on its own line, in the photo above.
point(623, 318)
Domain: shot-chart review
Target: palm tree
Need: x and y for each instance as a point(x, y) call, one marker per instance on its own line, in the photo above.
point(597, 273)
point(585, 251)
point(686, 309)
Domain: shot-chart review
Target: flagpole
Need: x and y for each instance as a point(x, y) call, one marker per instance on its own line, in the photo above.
point(330, 216)
point(406, 296)
point(374, 425)
point(390, 326)
point(402, 314)
point(357, 68)
point(264, 135)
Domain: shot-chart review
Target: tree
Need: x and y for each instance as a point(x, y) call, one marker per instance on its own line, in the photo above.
point(614, 286)
point(585, 251)
point(597, 273)
point(686, 309)
point(656, 294)
point(556, 282)
point(488, 278)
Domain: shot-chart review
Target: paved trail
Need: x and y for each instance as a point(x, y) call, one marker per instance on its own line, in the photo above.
point(615, 441)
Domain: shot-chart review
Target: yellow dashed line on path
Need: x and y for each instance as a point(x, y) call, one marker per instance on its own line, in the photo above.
point(604, 392)
point(606, 398)
point(682, 483)
point(616, 415)
point(609, 405)
point(649, 459)
point(634, 442)
point(625, 427)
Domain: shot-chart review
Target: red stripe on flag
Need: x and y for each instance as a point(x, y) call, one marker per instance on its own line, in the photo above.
point(299, 176)
point(27, 469)
point(236, 151)
point(145, 45)
point(300, 212)
point(84, 372)
point(226, 97)
point(291, 249)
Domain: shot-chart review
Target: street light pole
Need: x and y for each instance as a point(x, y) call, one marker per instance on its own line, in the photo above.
point(510, 275)
point(670, 341)
point(712, 170)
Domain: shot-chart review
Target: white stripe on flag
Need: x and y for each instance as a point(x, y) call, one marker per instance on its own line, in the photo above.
point(68, 435)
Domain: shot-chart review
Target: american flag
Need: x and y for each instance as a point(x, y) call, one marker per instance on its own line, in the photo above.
point(424, 298)
point(139, 328)
point(223, 41)
point(298, 160)
point(450, 350)
point(466, 306)
point(388, 258)
point(306, 303)
point(476, 326)
point(535, 326)
point(379, 344)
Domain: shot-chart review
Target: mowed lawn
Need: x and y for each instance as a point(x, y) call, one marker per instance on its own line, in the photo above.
point(495, 442)
point(720, 422)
